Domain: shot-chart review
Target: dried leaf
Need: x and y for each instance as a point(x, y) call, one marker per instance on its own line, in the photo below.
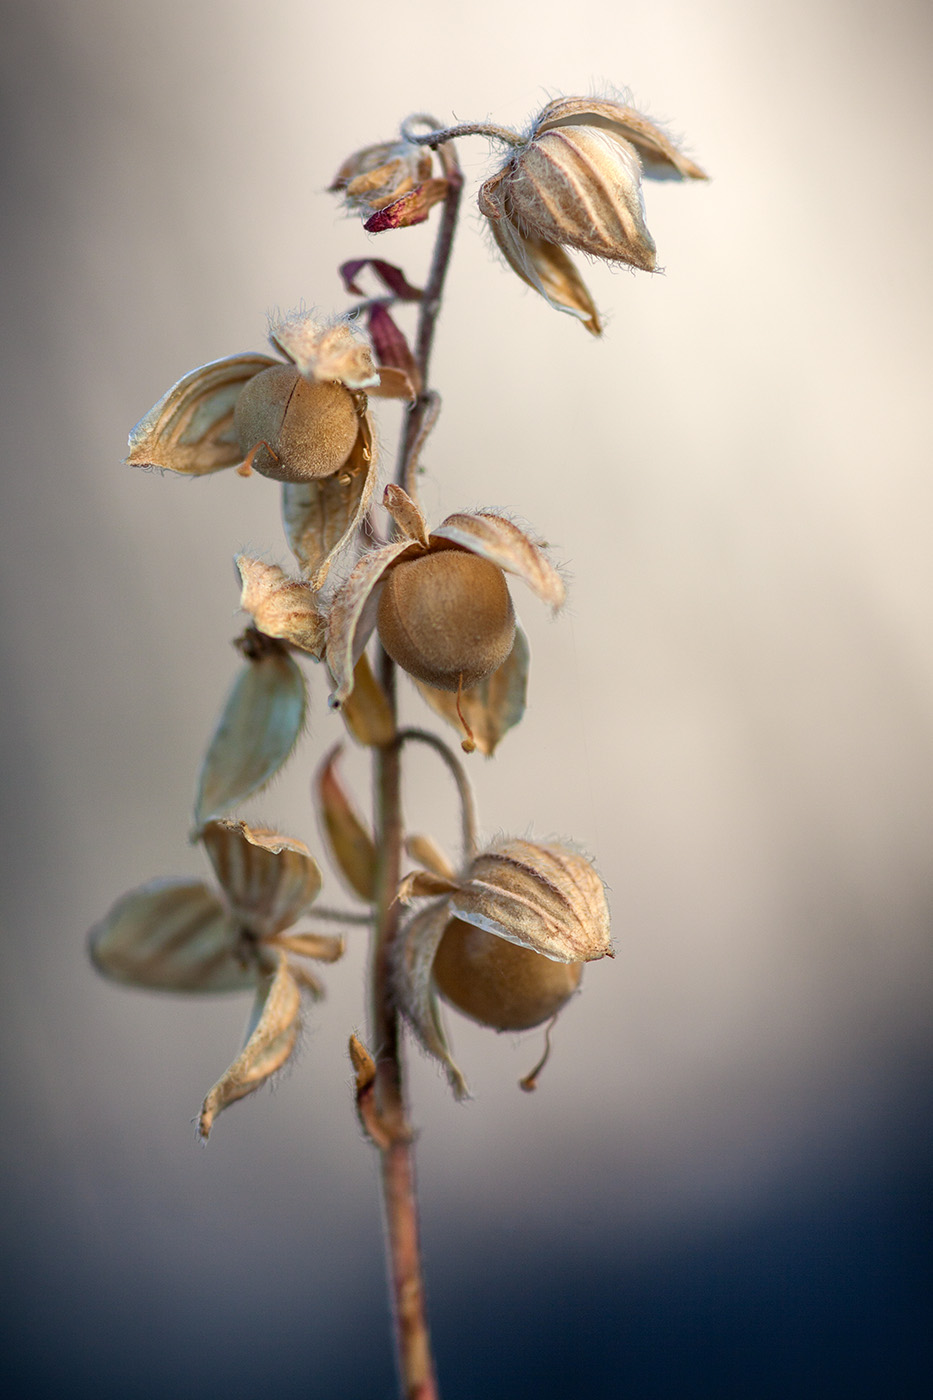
point(320, 517)
point(413, 207)
point(414, 954)
point(493, 706)
point(392, 348)
point(172, 935)
point(281, 606)
point(391, 276)
point(352, 614)
point(190, 429)
point(257, 732)
point(541, 896)
point(366, 710)
point(276, 1025)
point(503, 543)
point(350, 842)
point(269, 879)
point(326, 348)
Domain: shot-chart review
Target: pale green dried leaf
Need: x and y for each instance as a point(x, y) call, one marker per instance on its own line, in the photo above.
point(270, 880)
point(173, 936)
point(493, 706)
point(540, 895)
point(502, 542)
point(272, 1039)
point(257, 732)
point(413, 954)
point(321, 516)
point(190, 429)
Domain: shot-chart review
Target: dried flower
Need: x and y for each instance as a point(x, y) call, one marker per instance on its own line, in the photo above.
point(505, 944)
point(181, 936)
point(575, 182)
point(439, 600)
point(391, 185)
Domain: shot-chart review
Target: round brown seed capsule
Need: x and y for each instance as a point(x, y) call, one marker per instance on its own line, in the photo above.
point(447, 618)
point(497, 983)
point(310, 428)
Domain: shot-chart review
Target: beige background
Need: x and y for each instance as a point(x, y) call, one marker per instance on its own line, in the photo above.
point(733, 715)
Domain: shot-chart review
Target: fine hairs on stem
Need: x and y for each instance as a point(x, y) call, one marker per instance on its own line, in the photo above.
point(503, 936)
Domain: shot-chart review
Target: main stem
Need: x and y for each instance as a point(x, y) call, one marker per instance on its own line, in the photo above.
point(412, 1338)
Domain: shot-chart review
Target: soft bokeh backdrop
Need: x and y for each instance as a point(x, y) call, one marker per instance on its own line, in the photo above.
point(718, 1189)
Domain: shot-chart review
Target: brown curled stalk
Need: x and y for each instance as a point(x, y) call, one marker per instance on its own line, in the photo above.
point(389, 1104)
point(437, 138)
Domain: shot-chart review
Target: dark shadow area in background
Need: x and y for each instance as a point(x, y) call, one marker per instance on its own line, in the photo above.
point(825, 1298)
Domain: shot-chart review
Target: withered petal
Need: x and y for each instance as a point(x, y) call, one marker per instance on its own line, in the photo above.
point(274, 1032)
point(326, 348)
point(173, 936)
point(280, 606)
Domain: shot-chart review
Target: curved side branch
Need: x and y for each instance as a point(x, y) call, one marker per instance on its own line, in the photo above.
point(458, 772)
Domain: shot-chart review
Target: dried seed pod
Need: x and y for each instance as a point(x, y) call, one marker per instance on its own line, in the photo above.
point(378, 175)
point(446, 618)
point(498, 983)
point(309, 429)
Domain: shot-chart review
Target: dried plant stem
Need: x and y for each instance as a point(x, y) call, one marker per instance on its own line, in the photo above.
point(458, 773)
point(412, 1340)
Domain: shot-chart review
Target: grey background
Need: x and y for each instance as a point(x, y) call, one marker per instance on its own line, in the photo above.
point(718, 1190)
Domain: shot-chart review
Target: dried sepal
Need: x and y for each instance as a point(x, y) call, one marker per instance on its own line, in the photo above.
point(424, 884)
point(349, 839)
point(280, 606)
point(406, 513)
point(413, 208)
point(366, 711)
point(257, 731)
point(414, 954)
point(491, 707)
point(269, 879)
point(542, 266)
point(426, 851)
point(542, 896)
point(503, 543)
point(190, 430)
point(172, 936)
point(274, 1033)
point(321, 517)
point(323, 947)
point(660, 157)
point(353, 611)
point(326, 349)
point(396, 383)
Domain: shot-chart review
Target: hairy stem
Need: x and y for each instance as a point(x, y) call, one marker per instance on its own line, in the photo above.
point(412, 1340)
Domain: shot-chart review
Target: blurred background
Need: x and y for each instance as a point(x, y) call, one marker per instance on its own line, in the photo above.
point(719, 1189)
